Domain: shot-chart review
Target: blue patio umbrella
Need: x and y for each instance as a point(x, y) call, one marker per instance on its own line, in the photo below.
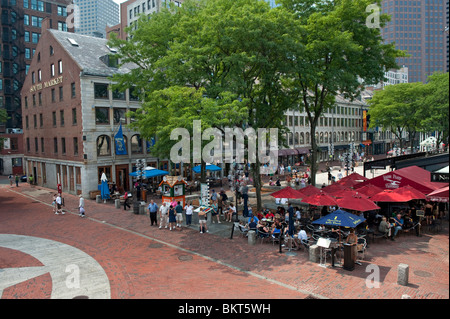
point(150, 172)
point(340, 218)
point(209, 167)
point(104, 189)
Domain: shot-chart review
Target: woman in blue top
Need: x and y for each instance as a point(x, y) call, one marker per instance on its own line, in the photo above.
point(172, 218)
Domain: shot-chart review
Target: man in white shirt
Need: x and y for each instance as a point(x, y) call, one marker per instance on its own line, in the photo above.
point(163, 215)
point(81, 206)
point(189, 209)
point(59, 205)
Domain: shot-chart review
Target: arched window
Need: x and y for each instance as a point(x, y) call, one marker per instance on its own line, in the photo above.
point(334, 137)
point(326, 137)
point(103, 145)
point(136, 144)
point(296, 139)
point(321, 137)
point(302, 138)
point(346, 137)
point(308, 141)
point(291, 138)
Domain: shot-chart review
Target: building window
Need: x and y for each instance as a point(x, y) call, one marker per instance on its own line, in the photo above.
point(103, 145)
point(73, 90)
point(75, 146)
point(118, 95)
point(52, 70)
point(53, 95)
point(42, 145)
point(101, 115)
point(41, 120)
point(60, 67)
point(28, 144)
point(74, 116)
point(51, 51)
point(100, 90)
point(36, 145)
point(119, 116)
point(55, 145)
point(136, 144)
point(35, 120)
point(54, 118)
point(63, 145)
point(61, 116)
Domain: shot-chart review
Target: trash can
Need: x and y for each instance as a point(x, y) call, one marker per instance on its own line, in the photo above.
point(144, 195)
point(136, 205)
point(349, 263)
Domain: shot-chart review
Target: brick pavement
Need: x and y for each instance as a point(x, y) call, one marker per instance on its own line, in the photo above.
point(259, 271)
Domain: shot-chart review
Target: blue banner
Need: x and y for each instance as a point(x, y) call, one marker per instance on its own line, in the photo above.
point(120, 142)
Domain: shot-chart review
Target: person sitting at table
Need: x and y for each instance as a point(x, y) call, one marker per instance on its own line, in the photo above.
point(229, 214)
point(252, 225)
point(301, 239)
point(384, 227)
point(278, 183)
point(276, 229)
point(398, 224)
point(262, 227)
point(260, 215)
point(254, 217)
point(270, 215)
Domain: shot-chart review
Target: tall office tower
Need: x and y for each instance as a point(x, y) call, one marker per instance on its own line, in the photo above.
point(95, 15)
point(20, 32)
point(418, 27)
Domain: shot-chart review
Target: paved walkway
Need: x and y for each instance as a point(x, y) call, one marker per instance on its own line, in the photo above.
point(141, 261)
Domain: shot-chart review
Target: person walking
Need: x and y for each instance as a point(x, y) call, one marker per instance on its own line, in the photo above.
point(189, 209)
point(152, 209)
point(31, 180)
point(11, 180)
point(179, 212)
point(202, 221)
point(54, 203)
point(17, 180)
point(172, 217)
point(215, 212)
point(59, 205)
point(163, 219)
point(81, 206)
point(125, 201)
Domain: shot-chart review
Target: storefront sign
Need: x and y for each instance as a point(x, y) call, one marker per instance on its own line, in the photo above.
point(46, 84)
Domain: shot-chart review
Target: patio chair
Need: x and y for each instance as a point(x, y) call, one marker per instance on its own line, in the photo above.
point(262, 235)
point(242, 230)
point(275, 238)
point(361, 248)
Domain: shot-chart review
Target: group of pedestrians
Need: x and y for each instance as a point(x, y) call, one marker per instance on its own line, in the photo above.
point(57, 205)
point(170, 214)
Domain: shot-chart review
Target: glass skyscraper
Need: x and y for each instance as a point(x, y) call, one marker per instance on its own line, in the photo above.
point(418, 27)
point(95, 15)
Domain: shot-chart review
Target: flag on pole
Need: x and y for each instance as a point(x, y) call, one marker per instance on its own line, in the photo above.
point(120, 142)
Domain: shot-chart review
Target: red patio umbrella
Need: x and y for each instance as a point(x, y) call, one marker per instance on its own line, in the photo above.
point(333, 188)
point(352, 180)
point(389, 196)
point(357, 202)
point(346, 192)
point(410, 192)
point(287, 192)
point(321, 199)
point(309, 190)
point(439, 195)
point(369, 190)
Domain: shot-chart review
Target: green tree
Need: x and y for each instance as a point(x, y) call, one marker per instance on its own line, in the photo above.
point(399, 107)
point(435, 111)
point(340, 51)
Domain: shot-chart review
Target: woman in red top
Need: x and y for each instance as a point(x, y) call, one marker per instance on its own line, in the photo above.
point(270, 215)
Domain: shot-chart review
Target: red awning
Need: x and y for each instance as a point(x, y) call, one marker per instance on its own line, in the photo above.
point(309, 190)
point(369, 190)
point(439, 195)
point(413, 176)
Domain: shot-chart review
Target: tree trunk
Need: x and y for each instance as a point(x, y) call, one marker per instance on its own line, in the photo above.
point(255, 167)
point(313, 157)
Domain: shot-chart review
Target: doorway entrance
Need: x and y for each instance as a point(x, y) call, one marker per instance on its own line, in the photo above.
point(122, 180)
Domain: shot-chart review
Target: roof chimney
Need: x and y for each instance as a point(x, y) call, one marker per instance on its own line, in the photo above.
point(46, 24)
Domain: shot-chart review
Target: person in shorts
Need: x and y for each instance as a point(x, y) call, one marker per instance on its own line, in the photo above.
point(179, 212)
point(202, 221)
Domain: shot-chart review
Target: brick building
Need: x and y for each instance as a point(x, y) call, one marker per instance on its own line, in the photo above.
point(71, 115)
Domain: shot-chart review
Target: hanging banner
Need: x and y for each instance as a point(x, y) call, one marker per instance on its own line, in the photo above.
point(364, 121)
point(120, 142)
